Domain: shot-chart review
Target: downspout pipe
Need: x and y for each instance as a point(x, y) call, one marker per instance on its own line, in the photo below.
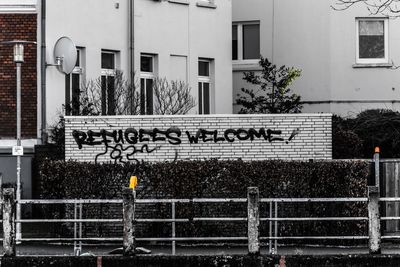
point(43, 71)
point(131, 35)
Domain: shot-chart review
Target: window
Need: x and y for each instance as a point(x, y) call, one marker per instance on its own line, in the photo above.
point(372, 41)
point(73, 84)
point(204, 87)
point(246, 41)
point(108, 70)
point(147, 75)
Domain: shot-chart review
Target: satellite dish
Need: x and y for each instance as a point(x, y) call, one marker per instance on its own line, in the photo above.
point(65, 55)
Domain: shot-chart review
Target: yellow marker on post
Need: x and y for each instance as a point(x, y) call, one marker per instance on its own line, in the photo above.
point(133, 182)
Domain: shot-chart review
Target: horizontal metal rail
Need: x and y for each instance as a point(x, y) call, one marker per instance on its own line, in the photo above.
point(389, 199)
point(68, 220)
point(70, 201)
point(195, 200)
point(316, 219)
point(120, 220)
point(228, 238)
point(299, 200)
point(314, 237)
point(69, 239)
point(212, 219)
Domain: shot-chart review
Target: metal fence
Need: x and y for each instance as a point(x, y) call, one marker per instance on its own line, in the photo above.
point(253, 219)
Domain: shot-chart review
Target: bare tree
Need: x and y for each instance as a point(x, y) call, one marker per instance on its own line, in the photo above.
point(120, 96)
point(172, 98)
point(382, 7)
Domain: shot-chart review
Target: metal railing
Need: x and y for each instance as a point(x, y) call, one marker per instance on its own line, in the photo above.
point(253, 220)
point(274, 220)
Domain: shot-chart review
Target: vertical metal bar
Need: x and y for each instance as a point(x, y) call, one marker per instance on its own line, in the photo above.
point(173, 228)
point(276, 228)
point(18, 64)
point(75, 229)
point(80, 227)
point(270, 228)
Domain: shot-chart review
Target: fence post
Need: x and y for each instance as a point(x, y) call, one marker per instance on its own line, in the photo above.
point(128, 218)
point(9, 222)
point(253, 220)
point(374, 222)
point(376, 165)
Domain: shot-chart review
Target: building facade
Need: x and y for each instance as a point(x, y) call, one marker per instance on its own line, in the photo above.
point(19, 21)
point(347, 57)
point(143, 40)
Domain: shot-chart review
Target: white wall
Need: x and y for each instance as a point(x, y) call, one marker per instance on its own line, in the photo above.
point(164, 28)
point(165, 138)
point(91, 24)
point(311, 36)
point(365, 84)
point(168, 28)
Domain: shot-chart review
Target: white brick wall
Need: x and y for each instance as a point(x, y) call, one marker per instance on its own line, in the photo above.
point(313, 141)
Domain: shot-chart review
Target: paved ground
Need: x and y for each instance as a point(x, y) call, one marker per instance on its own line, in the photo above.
point(45, 249)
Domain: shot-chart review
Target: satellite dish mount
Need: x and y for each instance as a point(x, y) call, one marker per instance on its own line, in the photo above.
point(65, 55)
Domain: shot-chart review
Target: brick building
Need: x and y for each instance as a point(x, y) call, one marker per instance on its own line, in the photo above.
point(18, 21)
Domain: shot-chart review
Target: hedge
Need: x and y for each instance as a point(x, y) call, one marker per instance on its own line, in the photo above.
point(209, 178)
point(357, 137)
point(217, 179)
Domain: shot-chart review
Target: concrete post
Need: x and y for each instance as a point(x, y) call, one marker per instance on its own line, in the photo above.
point(128, 218)
point(9, 222)
point(253, 220)
point(374, 222)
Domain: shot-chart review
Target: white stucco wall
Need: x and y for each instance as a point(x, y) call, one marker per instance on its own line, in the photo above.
point(164, 28)
point(366, 84)
point(92, 25)
point(168, 28)
point(309, 35)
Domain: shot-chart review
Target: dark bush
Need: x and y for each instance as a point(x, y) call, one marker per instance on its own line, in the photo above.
point(357, 137)
point(217, 179)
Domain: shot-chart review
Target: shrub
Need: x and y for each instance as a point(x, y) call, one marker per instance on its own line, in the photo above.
point(357, 137)
point(218, 179)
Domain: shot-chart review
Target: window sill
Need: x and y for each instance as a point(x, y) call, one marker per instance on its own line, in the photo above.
point(251, 65)
point(181, 2)
point(372, 65)
point(206, 4)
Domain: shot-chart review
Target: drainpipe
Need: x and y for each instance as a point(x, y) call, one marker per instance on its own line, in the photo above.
point(43, 71)
point(131, 48)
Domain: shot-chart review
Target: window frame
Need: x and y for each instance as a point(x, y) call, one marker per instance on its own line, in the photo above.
point(147, 76)
point(385, 59)
point(105, 108)
point(240, 43)
point(74, 107)
point(202, 80)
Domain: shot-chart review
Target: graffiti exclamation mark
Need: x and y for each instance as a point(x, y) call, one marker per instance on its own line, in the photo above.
point(294, 133)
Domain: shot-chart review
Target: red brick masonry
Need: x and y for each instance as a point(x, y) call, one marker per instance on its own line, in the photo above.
point(21, 27)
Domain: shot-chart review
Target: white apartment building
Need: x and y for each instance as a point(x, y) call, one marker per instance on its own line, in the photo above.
point(346, 57)
point(186, 40)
